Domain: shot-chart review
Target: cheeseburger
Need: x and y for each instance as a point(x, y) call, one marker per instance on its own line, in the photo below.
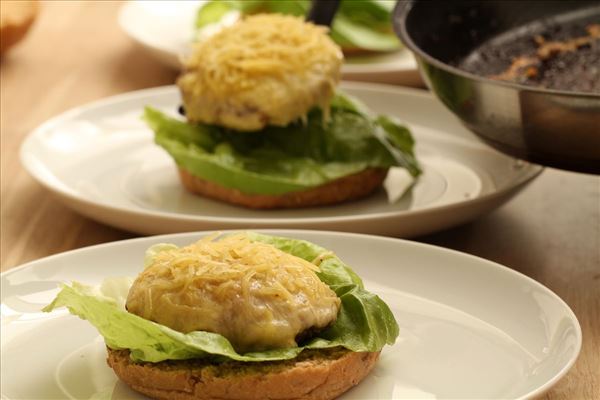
point(245, 316)
point(265, 126)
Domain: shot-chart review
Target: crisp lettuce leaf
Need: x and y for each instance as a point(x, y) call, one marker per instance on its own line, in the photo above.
point(213, 11)
point(350, 33)
point(402, 142)
point(173, 130)
point(279, 160)
point(364, 323)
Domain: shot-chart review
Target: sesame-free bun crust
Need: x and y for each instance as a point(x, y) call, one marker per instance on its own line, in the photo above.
point(347, 188)
point(313, 375)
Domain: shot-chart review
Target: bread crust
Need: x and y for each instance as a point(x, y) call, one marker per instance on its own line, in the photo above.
point(314, 375)
point(343, 189)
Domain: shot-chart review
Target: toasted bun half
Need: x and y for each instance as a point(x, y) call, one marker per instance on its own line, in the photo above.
point(314, 374)
point(347, 188)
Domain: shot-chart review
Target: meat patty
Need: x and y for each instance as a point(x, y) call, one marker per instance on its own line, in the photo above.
point(254, 294)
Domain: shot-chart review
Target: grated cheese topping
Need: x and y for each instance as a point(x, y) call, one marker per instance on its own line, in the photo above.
point(254, 294)
point(265, 69)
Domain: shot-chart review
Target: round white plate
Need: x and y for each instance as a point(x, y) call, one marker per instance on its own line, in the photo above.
point(469, 328)
point(100, 159)
point(166, 30)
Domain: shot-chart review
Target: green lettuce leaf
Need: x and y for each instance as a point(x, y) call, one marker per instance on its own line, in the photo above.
point(364, 322)
point(213, 11)
point(402, 141)
point(350, 33)
point(364, 24)
point(279, 160)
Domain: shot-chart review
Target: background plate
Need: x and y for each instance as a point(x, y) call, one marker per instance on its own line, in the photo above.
point(101, 161)
point(469, 328)
point(165, 30)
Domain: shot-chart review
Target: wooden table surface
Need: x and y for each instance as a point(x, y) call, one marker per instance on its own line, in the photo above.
point(76, 53)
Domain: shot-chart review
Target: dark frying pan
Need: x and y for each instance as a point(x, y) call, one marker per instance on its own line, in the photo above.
point(460, 45)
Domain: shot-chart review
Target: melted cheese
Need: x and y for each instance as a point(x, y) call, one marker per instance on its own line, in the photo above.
point(255, 295)
point(266, 69)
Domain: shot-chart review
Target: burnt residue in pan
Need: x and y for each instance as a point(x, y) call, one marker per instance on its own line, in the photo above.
point(552, 55)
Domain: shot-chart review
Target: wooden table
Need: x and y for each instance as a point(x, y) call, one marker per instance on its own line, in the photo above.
point(76, 53)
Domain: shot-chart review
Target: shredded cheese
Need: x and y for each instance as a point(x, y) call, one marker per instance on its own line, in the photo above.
point(258, 63)
point(261, 45)
point(252, 293)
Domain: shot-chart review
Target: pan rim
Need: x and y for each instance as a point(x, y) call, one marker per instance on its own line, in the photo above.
point(402, 10)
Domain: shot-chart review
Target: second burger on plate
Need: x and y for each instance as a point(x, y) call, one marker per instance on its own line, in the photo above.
point(266, 127)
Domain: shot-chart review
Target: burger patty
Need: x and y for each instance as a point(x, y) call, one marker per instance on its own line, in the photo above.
point(253, 294)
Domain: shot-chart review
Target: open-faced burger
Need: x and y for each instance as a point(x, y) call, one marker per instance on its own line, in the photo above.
point(242, 316)
point(266, 127)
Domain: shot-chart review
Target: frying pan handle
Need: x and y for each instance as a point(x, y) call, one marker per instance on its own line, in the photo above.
point(322, 11)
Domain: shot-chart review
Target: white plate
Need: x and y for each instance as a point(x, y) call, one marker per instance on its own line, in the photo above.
point(101, 160)
point(166, 30)
point(469, 328)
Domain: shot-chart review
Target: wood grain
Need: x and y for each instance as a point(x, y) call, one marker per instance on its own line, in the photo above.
point(76, 53)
